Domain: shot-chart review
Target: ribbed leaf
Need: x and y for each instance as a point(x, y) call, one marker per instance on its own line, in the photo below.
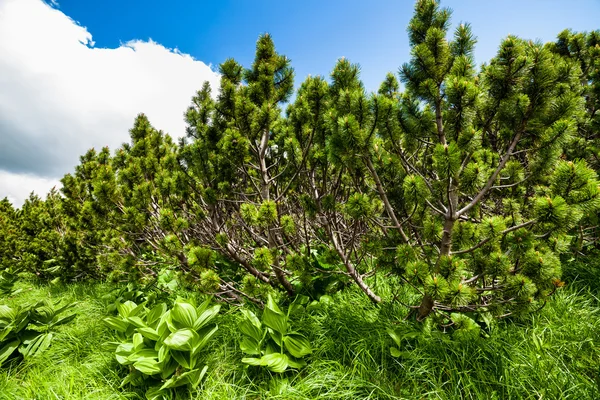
point(182, 340)
point(65, 320)
point(249, 346)
point(275, 362)
point(147, 366)
point(8, 349)
point(182, 357)
point(297, 364)
point(203, 337)
point(251, 326)
point(155, 393)
point(7, 313)
point(124, 350)
point(31, 348)
point(149, 333)
point(297, 345)
point(126, 308)
point(116, 323)
point(137, 322)
point(155, 314)
point(169, 368)
point(138, 341)
point(183, 315)
point(252, 361)
point(192, 378)
point(206, 316)
point(275, 320)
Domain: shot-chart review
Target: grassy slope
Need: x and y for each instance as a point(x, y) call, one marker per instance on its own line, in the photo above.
point(553, 355)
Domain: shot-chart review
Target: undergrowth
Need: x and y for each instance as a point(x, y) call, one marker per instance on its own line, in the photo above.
point(554, 354)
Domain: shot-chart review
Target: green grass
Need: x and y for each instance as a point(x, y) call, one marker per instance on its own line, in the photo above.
point(555, 354)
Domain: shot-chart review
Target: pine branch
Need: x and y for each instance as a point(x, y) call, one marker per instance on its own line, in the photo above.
point(484, 241)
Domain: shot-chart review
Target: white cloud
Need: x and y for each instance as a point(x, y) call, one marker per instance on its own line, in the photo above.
point(60, 95)
point(18, 187)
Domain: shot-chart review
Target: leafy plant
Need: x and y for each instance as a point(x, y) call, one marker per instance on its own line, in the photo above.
point(27, 328)
point(271, 341)
point(148, 294)
point(8, 278)
point(163, 345)
point(399, 336)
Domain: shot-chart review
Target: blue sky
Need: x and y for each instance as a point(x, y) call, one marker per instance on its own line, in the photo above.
point(315, 33)
point(88, 96)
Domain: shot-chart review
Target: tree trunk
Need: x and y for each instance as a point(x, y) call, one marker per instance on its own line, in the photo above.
point(446, 243)
point(266, 195)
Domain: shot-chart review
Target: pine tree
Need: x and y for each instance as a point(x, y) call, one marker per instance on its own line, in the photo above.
point(468, 167)
point(10, 235)
point(582, 50)
point(241, 175)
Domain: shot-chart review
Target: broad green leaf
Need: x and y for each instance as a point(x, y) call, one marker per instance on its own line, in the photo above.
point(272, 305)
point(168, 368)
point(192, 378)
point(143, 353)
point(138, 310)
point(251, 326)
point(296, 309)
point(252, 361)
point(301, 300)
point(163, 353)
point(276, 337)
point(204, 306)
point(155, 393)
point(182, 340)
point(137, 322)
point(271, 348)
point(110, 346)
point(21, 320)
point(149, 333)
point(43, 314)
point(196, 377)
point(7, 313)
point(138, 341)
point(126, 308)
point(8, 349)
point(394, 336)
point(147, 366)
point(252, 318)
point(5, 332)
point(62, 309)
point(275, 362)
point(297, 364)
point(124, 350)
point(155, 314)
point(395, 352)
point(163, 328)
point(297, 345)
point(182, 357)
point(411, 335)
point(204, 336)
point(116, 323)
point(206, 316)
point(64, 320)
point(249, 346)
point(183, 315)
point(135, 377)
point(275, 320)
point(32, 347)
point(43, 344)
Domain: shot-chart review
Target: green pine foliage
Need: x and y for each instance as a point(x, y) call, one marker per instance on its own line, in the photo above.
point(471, 185)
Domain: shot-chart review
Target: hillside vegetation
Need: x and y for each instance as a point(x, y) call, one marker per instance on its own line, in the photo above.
point(435, 239)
